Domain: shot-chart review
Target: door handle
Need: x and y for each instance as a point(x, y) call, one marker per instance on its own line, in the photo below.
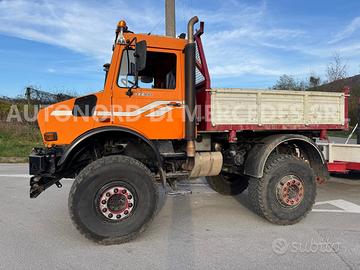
point(174, 104)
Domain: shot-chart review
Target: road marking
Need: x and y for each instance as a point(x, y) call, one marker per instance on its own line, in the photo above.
point(15, 175)
point(345, 207)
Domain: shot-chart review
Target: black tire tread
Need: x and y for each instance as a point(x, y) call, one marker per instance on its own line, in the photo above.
point(256, 186)
point(82, 176)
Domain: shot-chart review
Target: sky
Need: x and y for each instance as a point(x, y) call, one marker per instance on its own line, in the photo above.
point(58, 45)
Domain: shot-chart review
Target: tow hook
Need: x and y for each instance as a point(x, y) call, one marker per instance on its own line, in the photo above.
point(38, 184)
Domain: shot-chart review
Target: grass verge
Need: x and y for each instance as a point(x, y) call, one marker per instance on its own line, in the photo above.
point(17, 139)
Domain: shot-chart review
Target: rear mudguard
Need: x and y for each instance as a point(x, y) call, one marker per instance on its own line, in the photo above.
point(259, 154)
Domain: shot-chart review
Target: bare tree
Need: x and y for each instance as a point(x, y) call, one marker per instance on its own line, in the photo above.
point(336, 69)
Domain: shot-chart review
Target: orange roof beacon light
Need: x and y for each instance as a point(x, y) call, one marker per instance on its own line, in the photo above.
point(121, 28)
point(122, 24)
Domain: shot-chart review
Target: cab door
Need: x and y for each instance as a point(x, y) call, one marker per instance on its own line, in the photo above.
point(156, 107)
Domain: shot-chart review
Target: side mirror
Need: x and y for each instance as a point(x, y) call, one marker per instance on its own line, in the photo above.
point(140, 55)
point(140, 64)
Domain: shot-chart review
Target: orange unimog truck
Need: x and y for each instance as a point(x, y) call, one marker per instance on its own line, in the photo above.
point(158, 121)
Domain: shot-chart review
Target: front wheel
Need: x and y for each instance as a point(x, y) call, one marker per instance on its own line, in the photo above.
point(113, 199)
point(286, 192)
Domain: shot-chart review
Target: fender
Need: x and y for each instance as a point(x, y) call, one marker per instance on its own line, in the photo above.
point(258, 155)
point(96, 131)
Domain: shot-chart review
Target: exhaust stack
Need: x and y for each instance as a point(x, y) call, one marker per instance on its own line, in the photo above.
point(190, 95)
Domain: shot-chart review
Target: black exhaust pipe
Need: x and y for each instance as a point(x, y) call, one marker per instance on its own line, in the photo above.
point(190, 94)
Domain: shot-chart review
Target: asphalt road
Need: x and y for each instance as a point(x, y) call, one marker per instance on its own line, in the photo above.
point(202, 230)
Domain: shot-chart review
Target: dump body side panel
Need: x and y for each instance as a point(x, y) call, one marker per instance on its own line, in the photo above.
point(250, 109)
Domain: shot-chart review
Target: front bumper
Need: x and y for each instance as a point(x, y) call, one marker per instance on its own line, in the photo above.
point(42, 167)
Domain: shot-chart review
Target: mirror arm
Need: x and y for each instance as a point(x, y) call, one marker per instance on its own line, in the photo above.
point(129, 92)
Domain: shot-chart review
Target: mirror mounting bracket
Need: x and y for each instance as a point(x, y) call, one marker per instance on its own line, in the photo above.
point(129, 43)
point(129, 92)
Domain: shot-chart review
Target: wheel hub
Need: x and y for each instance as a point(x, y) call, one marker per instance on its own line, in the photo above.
point(116, 203)
point(290, 191)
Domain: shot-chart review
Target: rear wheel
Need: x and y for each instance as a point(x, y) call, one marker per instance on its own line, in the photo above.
point(286, 192)
point(227, 184)
point(113, 199)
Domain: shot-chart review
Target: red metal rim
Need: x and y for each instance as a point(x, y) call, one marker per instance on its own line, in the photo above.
point(116, 203)
point(290, 191)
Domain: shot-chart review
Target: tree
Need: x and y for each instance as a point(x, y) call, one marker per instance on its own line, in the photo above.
point(314, 80)
point(336, 69)
point(288, 82)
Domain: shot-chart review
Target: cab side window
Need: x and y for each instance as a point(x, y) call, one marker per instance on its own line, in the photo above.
point(159, 73)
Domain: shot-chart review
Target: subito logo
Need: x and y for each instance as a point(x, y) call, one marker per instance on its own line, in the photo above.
point(280, 246)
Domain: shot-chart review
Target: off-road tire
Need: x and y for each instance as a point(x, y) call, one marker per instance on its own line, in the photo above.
point(262, 191)
point(228, 184)
point(83, 209)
